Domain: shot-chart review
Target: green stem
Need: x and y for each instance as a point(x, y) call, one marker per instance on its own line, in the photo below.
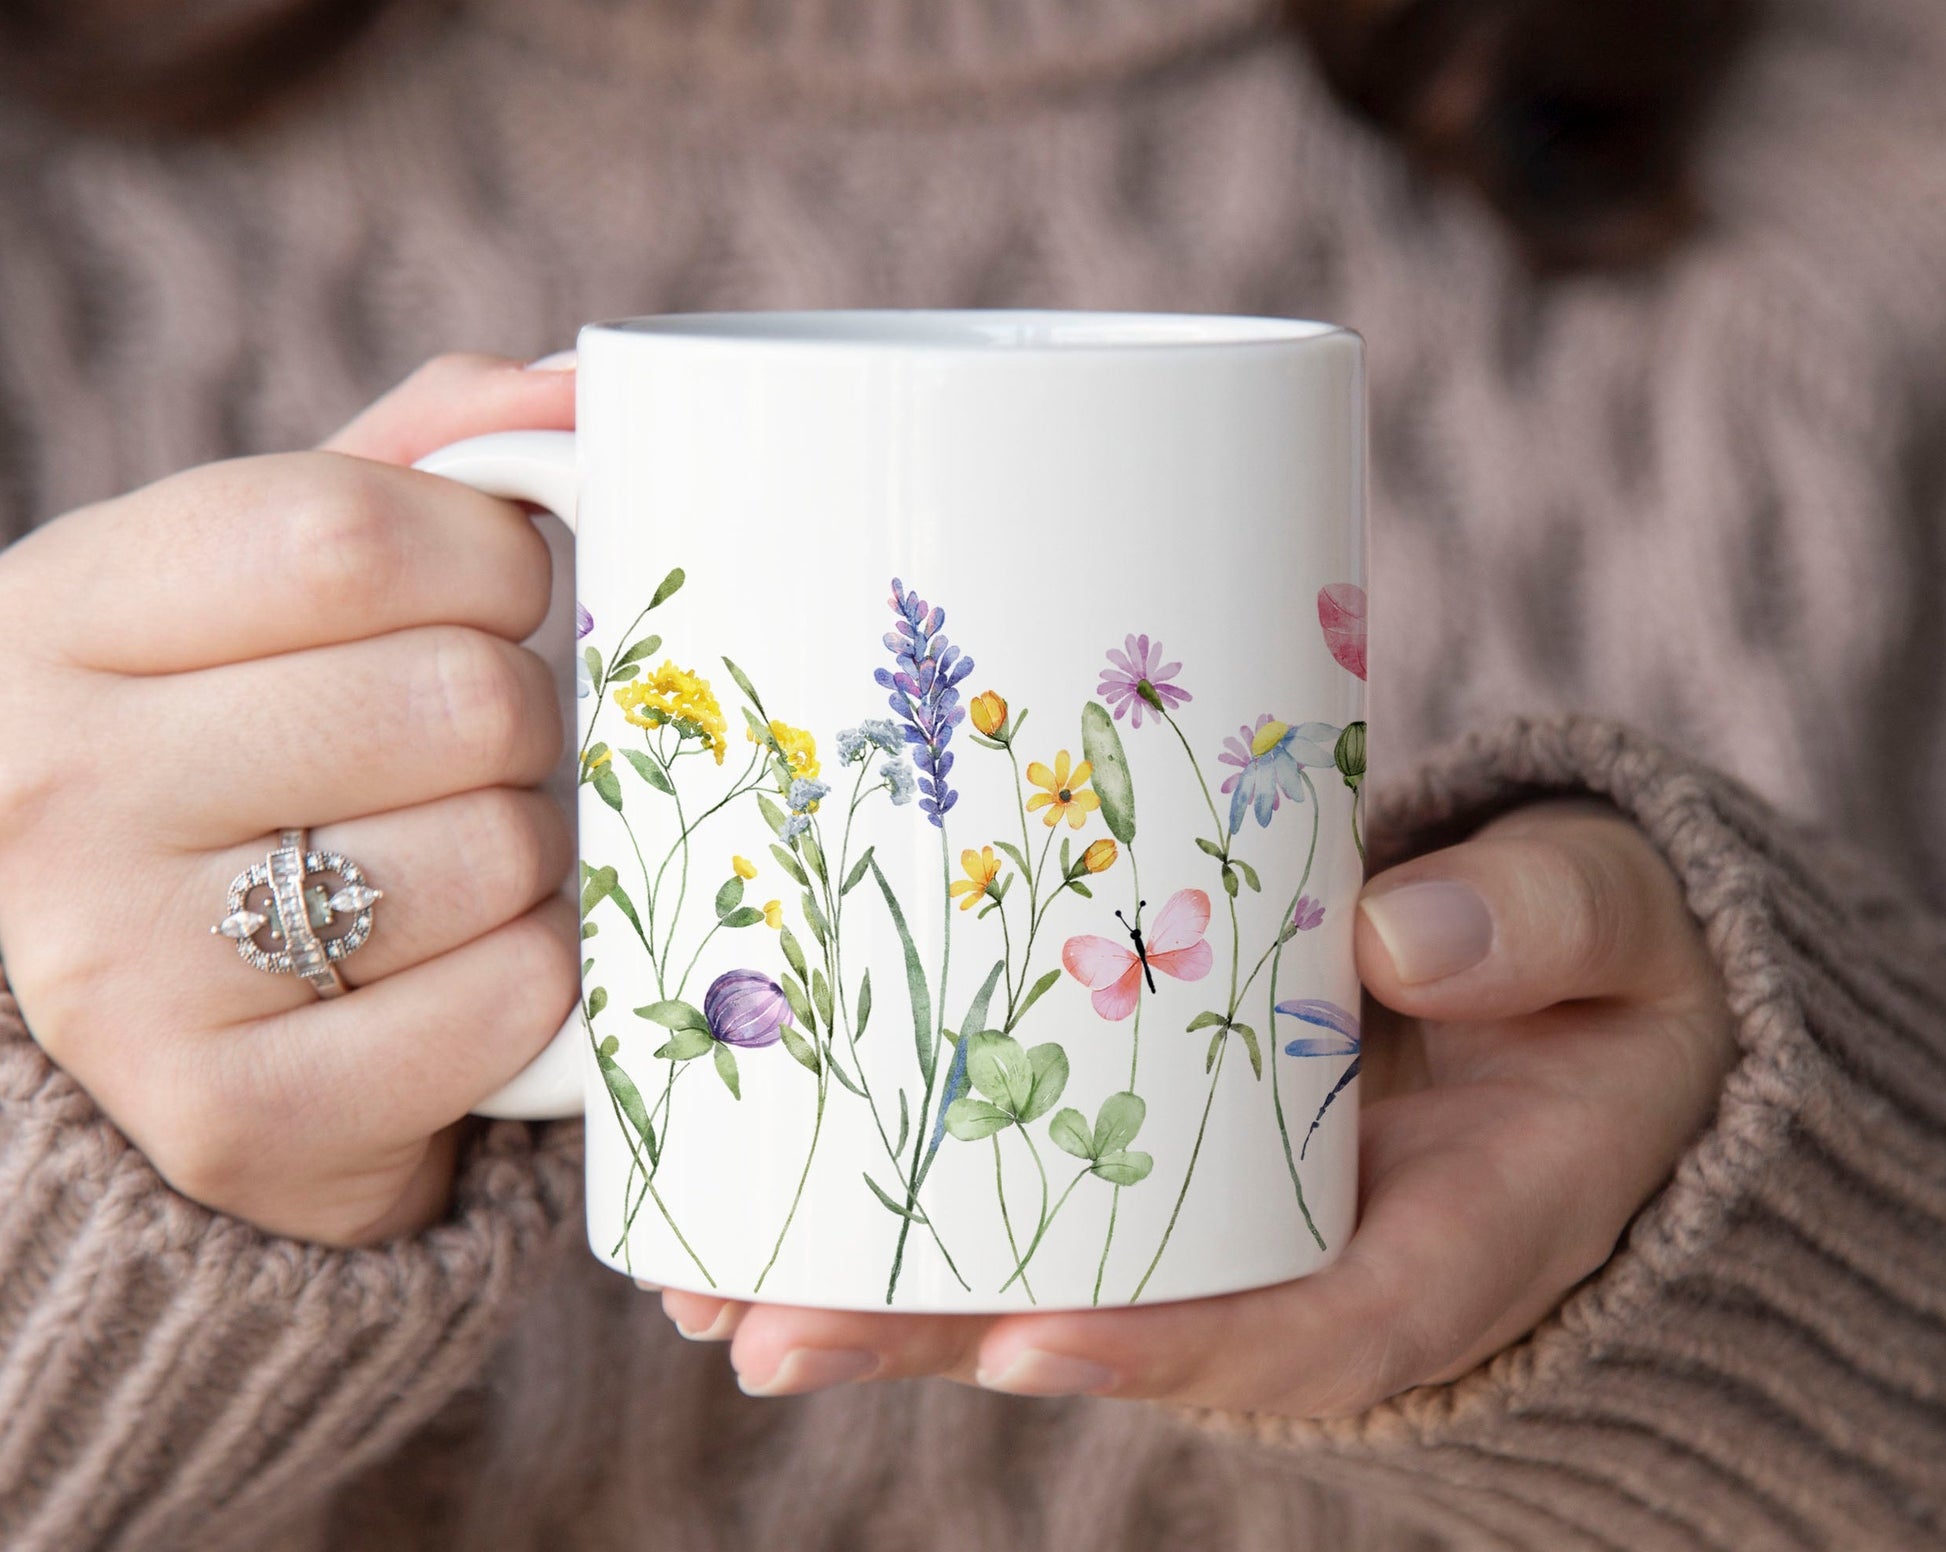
point(932, 1073)
point(1134, 1061)
point(810, 1153)
point(1216, 1074)
point(1277, 963)
point(1006, 1222)
point(1357, 835)
point(1222, 830)
point(1020, 1270)
point(689, 969)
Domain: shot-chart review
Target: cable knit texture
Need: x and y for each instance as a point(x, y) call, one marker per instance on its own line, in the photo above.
point(1703, 503)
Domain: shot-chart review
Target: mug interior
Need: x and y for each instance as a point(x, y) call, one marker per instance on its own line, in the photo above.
point(978, 330)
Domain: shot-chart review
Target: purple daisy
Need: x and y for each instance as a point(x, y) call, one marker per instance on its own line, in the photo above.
point(1137, 679)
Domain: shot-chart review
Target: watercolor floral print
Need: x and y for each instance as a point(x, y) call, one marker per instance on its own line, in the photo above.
point(1060, 895)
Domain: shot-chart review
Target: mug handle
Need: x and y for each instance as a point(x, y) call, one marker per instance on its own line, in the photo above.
point(537, 467)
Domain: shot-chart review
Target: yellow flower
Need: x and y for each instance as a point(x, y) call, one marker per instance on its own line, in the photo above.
point(773, 913)
point(982, 868)
point(800, 748)
point(743, 867)
point(675, 697)
point(1061, 791)
point(989, 712)
point(1100, 856)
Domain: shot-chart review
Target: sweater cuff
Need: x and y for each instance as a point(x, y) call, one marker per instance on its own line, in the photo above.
point(168, 1374)
point(1761, 1363)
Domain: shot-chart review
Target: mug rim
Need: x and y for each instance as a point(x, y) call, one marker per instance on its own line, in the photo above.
point(994, 332)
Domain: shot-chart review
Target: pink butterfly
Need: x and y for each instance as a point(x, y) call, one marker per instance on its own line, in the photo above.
point(1114, 972)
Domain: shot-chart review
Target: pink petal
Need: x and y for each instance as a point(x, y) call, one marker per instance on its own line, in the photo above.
point(1341, 611)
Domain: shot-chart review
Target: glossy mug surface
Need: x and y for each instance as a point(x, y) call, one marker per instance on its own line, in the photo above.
point(970, 740)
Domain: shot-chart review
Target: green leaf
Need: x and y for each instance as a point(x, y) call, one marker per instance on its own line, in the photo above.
point(726, 1069)
point(743, 916)
point(628, 1098)
point(1123, 1169)
point(593, 659)
point(1014, 856)
point(1050, 1064)
point(674, 1015)
point(1250, 1045)
point(857, 872)
point(800, 1003)
point(597, 1000)
point(588, 930)
point(1215, 1045)
point(749, 689)
point(805, 1053)
point(863, 1015)
point(1208, 848)
point(1230, 880)
point(627, 907)
point(624, 674)
point(838, 1072)
point(976, 1010)
point(608, 786)
point(793, 952)
point(649, 771)
point(820, 928)
point(595, 888)
point(729, 897)
point(1035, 993)
point(813, 854)
point(1067, 860)
point(773, 815)
point(1113, 784)
point(1069, 1130)
point(667, 588)
point(608, 1047)
point(915, 978)
point(759, 732)
point(1249, 875)
point(821, 998)
point(1000, 1069)
point(1081, 889)
point(640, 650)
point(983, 741)
point(1203, 1020)
point(986, 910)
point(898, 1207)
point(586, 966)
point(790, 864)
point(971, 1119)
point(1116, 1123)
point(905, 1124)
point(684, 1046)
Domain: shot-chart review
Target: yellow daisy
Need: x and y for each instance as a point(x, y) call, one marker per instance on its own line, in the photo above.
point(982, 868)
point(1061, 791)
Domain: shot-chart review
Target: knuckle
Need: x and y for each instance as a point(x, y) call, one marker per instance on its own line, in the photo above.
point(342, 534)
point(1593, 909)
point(206, 1144)
point(483, 699)
point(540, 969)
point(523, 844)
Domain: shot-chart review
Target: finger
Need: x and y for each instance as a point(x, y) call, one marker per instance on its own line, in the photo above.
point(701, 1317)
point(450, 870)
point(339, 732)
point(404, 1057)
point(456, 396)
point(265, 555)
point(1456, 1255)
point(1558, 905)
point(782, 1350)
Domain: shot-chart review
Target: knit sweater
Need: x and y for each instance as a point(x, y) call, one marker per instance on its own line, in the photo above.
point(1671, 540)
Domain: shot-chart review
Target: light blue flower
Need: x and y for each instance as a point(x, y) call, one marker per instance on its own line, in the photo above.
point(885, 733)
point(1268, 758)
point(584, 684)
point(852, 744)
point(795, 826)
point(899, 782)
point(805, 794)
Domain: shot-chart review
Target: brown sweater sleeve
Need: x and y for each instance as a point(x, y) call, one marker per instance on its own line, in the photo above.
point(1763, 1361)
point(170, 1377)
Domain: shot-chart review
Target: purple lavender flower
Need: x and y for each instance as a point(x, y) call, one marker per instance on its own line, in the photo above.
point(1309, 914)
point(1137, 680)
point(746, 1008)
point(925, 694)
point(583, 621)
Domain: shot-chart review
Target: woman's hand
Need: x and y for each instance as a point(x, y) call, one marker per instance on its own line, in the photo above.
point(1560, 1037)
point(317, 639)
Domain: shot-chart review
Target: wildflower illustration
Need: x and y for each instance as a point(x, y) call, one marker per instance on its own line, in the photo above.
point(828, 799)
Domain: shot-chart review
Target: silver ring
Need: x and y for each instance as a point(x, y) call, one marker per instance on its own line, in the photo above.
point(281, 926)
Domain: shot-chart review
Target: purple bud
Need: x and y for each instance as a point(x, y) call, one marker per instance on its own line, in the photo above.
point(746, 1008)
point(583, 621)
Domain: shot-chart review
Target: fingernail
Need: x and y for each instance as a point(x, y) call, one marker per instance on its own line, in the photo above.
point(648, 1287)
point(805, 1369)
point(720, 1329)
point(559, 361)
point(1035, 1373)
point(1432, 929)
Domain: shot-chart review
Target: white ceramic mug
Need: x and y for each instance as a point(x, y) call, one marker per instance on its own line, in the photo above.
point(969, 751)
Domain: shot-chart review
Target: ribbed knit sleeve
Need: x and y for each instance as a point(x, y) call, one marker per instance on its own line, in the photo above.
point(1763, 1362)
point(172, 1377)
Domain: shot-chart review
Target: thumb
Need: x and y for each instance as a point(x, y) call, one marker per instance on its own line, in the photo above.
point(1551, 904)
point(457, 396)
